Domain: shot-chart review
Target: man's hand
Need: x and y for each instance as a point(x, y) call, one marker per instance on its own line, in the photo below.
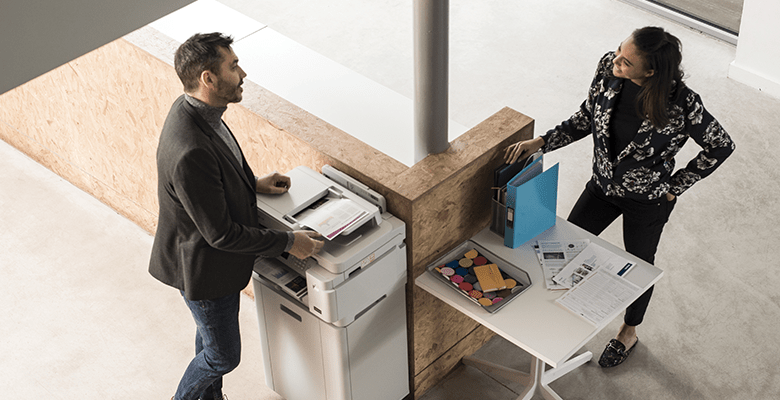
point(273, 183)
point(306, 244)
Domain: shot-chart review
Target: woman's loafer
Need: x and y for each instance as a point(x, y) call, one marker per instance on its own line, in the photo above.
point(615, 353)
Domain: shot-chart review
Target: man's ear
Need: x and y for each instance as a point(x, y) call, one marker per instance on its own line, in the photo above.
point(206, 79)
point(649, 73)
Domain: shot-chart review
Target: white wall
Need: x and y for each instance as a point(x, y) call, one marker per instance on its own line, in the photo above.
point(40, 35)
point(758, 51)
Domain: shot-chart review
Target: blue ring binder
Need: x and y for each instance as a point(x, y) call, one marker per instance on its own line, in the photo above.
point(531, 203)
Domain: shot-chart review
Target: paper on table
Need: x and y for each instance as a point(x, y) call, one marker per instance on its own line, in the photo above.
point(590, 259)
point(554, 255)
point(601, 295)
point(331, 216)
point(598, 288)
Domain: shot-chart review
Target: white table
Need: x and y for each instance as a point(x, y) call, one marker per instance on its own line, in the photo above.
point(533, 321)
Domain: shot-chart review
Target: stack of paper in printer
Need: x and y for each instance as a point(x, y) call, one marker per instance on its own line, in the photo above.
point(331, 216)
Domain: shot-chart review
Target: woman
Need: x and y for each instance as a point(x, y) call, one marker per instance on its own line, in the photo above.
point(640, 113)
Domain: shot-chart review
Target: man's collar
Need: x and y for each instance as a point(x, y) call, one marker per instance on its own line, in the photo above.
point(212, 115)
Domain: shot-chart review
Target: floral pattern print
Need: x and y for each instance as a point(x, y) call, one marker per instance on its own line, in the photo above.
point(644, 170)
point(640, 180)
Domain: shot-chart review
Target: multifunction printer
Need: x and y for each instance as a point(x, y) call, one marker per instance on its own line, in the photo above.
point(333, 326)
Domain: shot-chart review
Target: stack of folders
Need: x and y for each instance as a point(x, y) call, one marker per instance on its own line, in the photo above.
point(531, 200)
point(501, 176)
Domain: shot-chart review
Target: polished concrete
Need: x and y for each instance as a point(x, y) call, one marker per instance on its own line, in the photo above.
point(81, 316)
point(83, 319)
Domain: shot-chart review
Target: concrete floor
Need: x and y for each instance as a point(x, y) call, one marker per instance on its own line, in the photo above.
point(83, 319)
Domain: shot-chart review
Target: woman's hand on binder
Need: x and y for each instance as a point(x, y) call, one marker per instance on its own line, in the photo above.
point(306, 244)
point(521, 150)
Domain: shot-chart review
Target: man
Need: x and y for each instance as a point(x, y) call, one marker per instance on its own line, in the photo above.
point(208, 233)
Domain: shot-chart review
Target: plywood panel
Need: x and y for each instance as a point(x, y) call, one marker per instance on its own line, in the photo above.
point(95, 121)
point(268, 148)
point(370, 165)
point(439, 368)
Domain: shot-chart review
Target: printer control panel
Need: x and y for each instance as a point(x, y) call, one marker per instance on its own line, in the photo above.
point(298, 265)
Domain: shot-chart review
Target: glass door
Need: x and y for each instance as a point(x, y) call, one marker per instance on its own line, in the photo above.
point(722, 14)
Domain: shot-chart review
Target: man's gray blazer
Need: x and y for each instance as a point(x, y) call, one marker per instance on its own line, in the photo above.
point(207, 234)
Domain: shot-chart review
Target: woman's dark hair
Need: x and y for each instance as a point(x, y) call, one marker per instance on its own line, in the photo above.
point(199, 53)
point(663, 54)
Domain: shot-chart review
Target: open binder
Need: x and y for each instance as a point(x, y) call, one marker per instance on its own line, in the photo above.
point(531, 201)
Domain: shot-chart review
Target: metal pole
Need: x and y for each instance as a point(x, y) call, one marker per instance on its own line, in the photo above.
point(431, 53)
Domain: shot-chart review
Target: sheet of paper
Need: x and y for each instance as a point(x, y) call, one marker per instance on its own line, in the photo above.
point(331, 216)
point(554, 255)
point(592, 258)
point(600, 295)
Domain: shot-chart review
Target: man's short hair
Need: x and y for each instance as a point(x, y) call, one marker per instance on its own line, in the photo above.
point(199, 53)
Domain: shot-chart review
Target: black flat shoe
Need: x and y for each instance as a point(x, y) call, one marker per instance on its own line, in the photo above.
point(615, 353)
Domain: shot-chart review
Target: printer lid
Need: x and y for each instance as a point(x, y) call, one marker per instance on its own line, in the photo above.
point(310, 190)
point(303, 192)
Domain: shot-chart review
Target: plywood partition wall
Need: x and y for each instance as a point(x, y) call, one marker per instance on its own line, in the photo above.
point(96, 121)
point(450, 203)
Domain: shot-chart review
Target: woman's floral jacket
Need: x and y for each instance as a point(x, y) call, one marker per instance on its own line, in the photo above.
point(644, 169)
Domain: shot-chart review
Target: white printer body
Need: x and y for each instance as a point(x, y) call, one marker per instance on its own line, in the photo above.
point(333, 326)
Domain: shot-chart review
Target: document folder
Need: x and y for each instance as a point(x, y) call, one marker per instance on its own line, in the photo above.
point(531, 201)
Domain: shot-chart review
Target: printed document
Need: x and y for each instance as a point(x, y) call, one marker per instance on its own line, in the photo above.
point(599, 289)
point(599, 296)
point(592, 258)
point(554, 255)
point(331, 216)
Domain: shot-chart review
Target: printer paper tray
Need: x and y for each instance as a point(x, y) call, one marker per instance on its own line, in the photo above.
point(340, 304)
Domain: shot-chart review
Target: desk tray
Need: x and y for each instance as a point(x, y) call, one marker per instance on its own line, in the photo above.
point(508, 271)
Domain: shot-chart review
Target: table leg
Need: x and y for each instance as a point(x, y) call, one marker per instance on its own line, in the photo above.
point(536, 379)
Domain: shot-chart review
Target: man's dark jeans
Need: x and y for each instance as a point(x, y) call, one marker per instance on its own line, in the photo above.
point(217, 347)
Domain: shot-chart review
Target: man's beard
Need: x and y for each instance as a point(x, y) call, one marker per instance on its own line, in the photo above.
point(232, 94)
